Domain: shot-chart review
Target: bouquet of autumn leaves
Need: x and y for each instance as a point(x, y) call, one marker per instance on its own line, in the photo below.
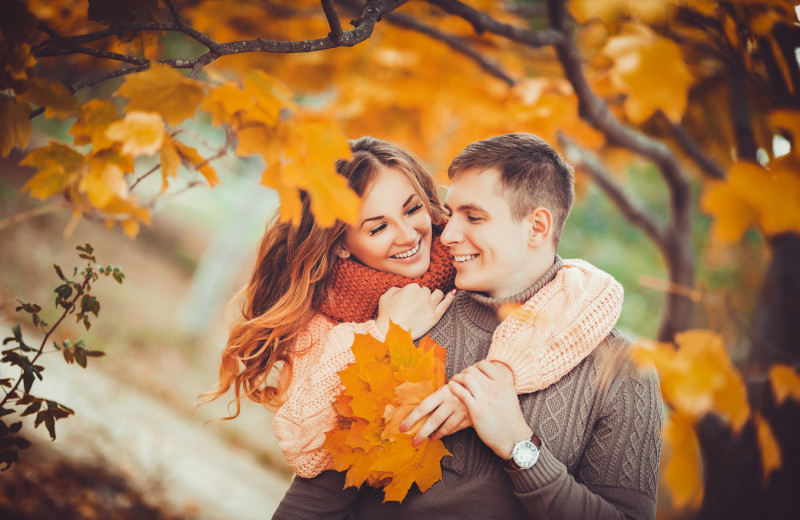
point(385, 383)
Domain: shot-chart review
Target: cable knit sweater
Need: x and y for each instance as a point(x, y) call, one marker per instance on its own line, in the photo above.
point(540, 341)
point(600, 426)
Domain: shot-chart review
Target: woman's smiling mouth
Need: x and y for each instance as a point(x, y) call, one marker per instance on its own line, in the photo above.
point(409, 253)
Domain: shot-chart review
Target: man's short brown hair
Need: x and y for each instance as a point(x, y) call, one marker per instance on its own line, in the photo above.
point(532, 175)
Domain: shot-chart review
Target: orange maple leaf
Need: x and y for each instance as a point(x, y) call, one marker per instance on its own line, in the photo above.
point(386, 381)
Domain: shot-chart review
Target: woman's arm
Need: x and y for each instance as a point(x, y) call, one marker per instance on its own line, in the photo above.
point(320, 353)
point(558, 327)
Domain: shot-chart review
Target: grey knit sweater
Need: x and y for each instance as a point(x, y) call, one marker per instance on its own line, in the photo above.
point(600, 426)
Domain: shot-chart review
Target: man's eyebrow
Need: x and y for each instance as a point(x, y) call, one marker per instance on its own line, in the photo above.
point(466, 207)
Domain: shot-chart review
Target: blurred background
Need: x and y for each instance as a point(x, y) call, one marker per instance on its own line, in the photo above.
point(705, 236)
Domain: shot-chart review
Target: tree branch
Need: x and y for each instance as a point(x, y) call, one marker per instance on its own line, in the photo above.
point(694, 151)
point(632, 211)
point(99, 53)
point(172, 11)
point(333, 21)
point(482, 22)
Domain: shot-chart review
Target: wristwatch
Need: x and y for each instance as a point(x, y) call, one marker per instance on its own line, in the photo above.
point(524, 455)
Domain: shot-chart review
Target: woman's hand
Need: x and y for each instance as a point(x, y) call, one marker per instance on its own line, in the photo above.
point(414, 308)
point(487, 390)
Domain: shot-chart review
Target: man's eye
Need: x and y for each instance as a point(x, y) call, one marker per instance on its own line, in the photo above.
point(413, 210)
point(474, 219)
point(377, 229)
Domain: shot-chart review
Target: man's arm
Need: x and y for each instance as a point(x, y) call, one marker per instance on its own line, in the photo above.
point(318, 498)
point(547, 489)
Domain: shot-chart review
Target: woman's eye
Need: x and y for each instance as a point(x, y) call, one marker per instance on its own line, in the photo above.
point(377, 229)
point(414, 209)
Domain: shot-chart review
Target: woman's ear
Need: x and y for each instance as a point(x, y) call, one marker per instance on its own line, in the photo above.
point(541, 223)
point(340, 250)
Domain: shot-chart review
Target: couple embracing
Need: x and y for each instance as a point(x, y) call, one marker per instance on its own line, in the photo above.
point(538, 424)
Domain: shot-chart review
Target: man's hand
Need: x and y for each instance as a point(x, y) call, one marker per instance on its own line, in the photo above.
point(487, 390)
point(414, 308)
point(447, 415)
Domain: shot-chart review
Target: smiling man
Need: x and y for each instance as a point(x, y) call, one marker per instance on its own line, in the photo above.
point(586, 446)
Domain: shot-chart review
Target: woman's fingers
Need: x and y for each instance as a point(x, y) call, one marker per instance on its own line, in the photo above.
point(445, 302)
point(425, 407)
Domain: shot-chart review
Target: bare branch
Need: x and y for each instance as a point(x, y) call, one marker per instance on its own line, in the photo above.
point(174, 12)
point(694, 151)
point(333, 21)
point(631, 210)
point(482, 22)
point(145, 175)
point(115, 74)
point(99, 53)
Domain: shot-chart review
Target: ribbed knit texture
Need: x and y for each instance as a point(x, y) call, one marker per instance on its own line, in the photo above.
point(600, 425)
point(356, 288)
point(582, 305)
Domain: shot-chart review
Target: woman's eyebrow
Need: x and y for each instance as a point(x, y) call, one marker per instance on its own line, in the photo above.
point(408, 200)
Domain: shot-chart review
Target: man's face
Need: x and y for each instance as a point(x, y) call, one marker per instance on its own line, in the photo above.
point(490, 249)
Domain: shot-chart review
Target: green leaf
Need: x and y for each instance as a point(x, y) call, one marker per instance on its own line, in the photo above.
point(69, 357)
point(63, 293)
point(50, 423)
point(27, 380)
point(95, 353)
point(7, 382)
point(59, 272)
point(14, 428)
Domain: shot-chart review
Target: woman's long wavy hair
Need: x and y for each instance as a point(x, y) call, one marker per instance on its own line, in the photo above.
point(289, 281)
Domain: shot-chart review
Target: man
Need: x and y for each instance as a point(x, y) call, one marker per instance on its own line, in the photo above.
point(585, 447)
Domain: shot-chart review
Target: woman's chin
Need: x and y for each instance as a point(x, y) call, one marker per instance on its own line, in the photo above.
point(415, 270)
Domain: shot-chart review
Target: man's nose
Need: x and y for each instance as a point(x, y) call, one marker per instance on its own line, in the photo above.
point(451, 234)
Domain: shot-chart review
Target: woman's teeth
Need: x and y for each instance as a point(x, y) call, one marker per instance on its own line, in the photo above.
point(408, 253)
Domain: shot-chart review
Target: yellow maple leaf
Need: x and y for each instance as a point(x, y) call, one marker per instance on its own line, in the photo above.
point(683, 468)
point(753, 195)
point(15, 124)
point(375, 399)
point(698, 377)
point(785, 383)
point(163, 90)
point(57, 100)
point(651, 70)
point(768, 446)
point(59, 167)
point(197, 161)
point(225, 103)
point(170, 161)
point(141, 133)
point(105, 179)
point(613, 10)
point(90, 128)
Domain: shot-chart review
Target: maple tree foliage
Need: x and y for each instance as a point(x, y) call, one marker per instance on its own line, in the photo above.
point(385, 383)
point(697, 90)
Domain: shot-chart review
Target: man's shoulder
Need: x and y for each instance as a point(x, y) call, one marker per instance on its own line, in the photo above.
point(613, 363)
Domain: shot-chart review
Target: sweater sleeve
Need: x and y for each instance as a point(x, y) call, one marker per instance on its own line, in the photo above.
point(617, 476)
point(320, 353)
point(323, 497)
point(546, 337)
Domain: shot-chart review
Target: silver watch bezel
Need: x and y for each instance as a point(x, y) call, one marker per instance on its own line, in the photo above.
point(525, 454)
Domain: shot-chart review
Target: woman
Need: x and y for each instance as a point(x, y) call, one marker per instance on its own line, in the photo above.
point(313, 288)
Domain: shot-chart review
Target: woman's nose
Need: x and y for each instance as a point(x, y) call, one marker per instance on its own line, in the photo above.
point(406, 233)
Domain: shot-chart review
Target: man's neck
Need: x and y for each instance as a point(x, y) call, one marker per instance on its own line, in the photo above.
point(535, 269)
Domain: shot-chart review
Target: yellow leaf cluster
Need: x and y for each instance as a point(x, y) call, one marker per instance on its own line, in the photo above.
point(163, 90)
point(683, 469)
point(768, 446)
point(698, 377)
point(386, 381)
point(300, 151)
point(651, 71)
point(611, 11)
point(755, 196)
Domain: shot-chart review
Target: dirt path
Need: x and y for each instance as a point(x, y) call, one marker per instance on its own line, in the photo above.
point(189, 467)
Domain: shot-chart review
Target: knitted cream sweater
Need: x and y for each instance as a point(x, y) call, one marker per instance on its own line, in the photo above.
point(540, 341)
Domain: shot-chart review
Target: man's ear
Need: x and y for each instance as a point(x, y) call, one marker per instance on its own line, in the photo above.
point(340, 250)
point(541, 226)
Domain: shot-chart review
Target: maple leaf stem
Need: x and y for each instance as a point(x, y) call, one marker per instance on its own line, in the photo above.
point(145, 175)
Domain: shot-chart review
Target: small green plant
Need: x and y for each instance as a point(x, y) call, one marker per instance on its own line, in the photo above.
point(73, 296)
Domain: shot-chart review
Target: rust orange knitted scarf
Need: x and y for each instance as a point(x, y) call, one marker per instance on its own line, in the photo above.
point(356, 288)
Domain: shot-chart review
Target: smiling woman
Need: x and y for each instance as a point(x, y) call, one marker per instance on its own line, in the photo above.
point(394, 231)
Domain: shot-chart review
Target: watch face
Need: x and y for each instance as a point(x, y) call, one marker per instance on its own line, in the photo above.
point(525, 454)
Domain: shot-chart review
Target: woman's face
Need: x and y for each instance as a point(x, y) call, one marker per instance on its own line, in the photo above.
point(393, 233)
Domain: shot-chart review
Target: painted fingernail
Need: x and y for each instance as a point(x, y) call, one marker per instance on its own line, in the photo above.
point(453, 291)
point(415, 443)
